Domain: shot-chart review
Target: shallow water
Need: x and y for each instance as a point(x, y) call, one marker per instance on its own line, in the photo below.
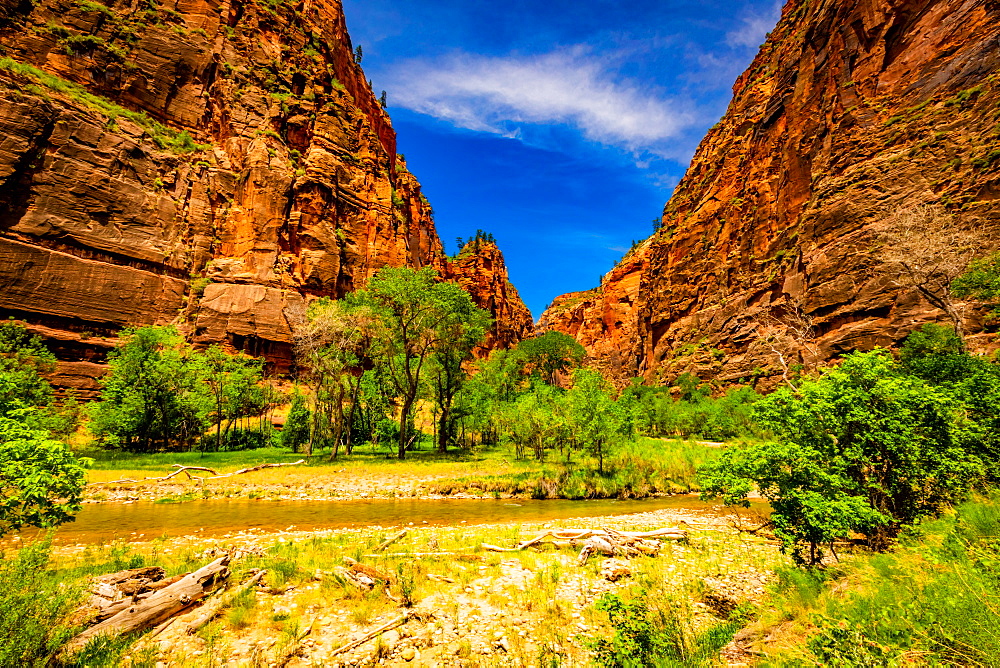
point(137, 521)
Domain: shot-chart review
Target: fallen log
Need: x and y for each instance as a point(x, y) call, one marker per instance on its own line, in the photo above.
point(187, 469)
point(158, 607)
point(221, 601)
point(184, 469)
point(399, 621)
point(389, 541)
point(259, 467)
point(369, 571)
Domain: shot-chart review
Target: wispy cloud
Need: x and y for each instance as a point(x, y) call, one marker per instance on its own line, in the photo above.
point(753, 27)
point(507, 95)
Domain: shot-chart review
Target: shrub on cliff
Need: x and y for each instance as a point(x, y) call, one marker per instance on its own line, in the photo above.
point(864, 449)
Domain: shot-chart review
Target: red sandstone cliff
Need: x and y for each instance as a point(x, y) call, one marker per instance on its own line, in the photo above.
point(110, 217)
point(851, 109)
point(480, 270)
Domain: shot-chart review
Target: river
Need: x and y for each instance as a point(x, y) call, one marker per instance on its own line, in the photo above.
point(145, 520)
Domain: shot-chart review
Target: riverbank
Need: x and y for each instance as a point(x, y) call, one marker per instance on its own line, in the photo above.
point(648, 468)
point(472, 607)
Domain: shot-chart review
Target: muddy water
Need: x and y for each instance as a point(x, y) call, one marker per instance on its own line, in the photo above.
point(145, 521)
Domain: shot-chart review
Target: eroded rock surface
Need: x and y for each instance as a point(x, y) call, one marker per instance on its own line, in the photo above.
point(850, 110)
point(207, 162)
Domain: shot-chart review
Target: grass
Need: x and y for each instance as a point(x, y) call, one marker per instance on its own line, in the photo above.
point(933, 601)
point(540, 610)
point(637, 470)
point(646, 467)
point(164, 137)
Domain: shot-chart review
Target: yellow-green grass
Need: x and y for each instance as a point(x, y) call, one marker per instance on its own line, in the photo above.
point(468, 589)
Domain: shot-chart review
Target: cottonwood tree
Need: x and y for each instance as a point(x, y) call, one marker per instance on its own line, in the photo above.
point(927, 249)
point(152, 397)
point(460, 333)
point(597, 418)
point(329, 345)
point(551, 353)
point(414, 315)
point(233, 381)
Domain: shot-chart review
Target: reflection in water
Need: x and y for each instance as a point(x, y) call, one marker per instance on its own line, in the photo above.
point(106, 522)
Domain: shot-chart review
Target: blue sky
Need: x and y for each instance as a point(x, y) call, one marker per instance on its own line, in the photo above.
point(560, 127)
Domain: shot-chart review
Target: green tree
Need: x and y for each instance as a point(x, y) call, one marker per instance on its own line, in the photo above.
point(549, 354)
point(152, 397)
point(23, 361)
point(233, 383)
point(413, 314)
point(41, 482)
point(597, 419)
point(459, 334)
point(295, 433)
point(329, 348)
point(981, 281)
point(863, 449)
point(936, 354)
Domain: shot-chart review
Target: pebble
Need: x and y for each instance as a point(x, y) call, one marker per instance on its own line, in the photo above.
point(408, 654)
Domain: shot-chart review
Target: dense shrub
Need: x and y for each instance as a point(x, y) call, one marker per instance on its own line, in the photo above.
point(864, 449)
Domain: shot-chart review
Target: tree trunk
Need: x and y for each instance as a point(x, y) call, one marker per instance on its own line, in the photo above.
point(443, 428)
point(158, 607)
point(404, 423)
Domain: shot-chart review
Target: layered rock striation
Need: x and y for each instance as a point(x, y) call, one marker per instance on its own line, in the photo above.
point(851, 110)
point(480, 270)
point(211, 162)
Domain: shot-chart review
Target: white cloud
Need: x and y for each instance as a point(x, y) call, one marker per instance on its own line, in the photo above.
point(754, 27)
point(507, 95)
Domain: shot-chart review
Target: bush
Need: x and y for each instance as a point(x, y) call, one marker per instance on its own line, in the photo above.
point(936, 598)
point(864, 449)
point(33, 606)
point(295, 433)
point(236, 439)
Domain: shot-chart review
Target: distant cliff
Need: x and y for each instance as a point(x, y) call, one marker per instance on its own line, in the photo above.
point(851, 108)
point(212, 163)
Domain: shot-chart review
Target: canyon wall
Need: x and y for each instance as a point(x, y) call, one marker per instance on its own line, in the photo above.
point(212, 163)
point(853, 109)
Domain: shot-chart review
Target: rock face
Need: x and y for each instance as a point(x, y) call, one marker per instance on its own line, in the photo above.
point(209, 162)
point(852, 109)
point(480, 270)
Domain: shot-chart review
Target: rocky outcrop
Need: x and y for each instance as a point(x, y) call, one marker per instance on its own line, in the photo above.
point(480, 270)
point(209, 162)
point(851, 110)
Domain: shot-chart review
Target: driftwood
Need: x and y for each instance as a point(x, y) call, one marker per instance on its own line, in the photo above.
point(357, 580)
point(399, 621)
point(159, 606)
point(221, 601)
point(389, 541)
point(369, 571)
point(259, 467)
point(600, 541)
point(187, 470)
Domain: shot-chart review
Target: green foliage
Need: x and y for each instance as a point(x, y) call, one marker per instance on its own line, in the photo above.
point(864, 449)
point(152, 398)
point(717, 419)
point(89, 6)
point(41, 483)
point(23, 361)
point(549, 354)
point(415, 317)
point(295, 433)
point(936, 354)
point(935, 598)
point(597, 420)
point(658, 634)
point(981, 282)
point(163, 136)
point(33, 608)
point(235, 391)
